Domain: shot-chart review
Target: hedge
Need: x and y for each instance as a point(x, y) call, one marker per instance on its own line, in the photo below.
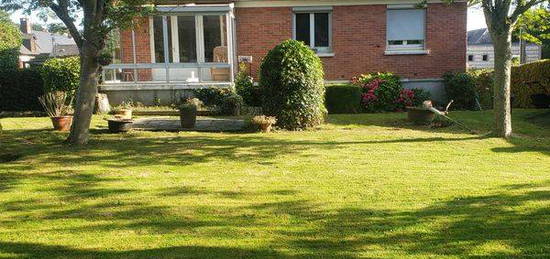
point(344, 98)
point(19, 90)
point(291, 77)
point(530, 79)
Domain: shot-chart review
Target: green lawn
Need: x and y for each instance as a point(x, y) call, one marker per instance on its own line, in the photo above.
point(368, 185)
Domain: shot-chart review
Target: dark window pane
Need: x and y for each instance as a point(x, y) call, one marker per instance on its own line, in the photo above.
point(187, 39)
point(302, 28)
point(159, 40)
point(159, 44)
point(321, 30)
point(214, 30)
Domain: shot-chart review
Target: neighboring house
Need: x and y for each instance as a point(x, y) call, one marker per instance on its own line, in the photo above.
point(199, 45)
point(39, 45)
point(481, 52)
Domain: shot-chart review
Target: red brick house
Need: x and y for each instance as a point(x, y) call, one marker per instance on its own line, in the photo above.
point(193, 45)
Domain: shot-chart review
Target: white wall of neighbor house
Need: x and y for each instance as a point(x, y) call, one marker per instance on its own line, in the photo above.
point(482, 56)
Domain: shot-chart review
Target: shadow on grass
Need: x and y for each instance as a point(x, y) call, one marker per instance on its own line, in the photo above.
point(500, 224)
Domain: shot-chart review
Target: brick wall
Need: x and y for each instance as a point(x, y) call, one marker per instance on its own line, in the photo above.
point(359, 40)
point(143, 50)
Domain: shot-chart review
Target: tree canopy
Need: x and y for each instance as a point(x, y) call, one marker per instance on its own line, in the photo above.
point(10, 41)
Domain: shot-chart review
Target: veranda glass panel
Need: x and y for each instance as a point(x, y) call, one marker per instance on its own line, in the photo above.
point(159, 40)
point(215, 39)
point(187, 39)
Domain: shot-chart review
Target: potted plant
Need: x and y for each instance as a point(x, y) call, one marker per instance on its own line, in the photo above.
point(188, 112)
point(123, 111)
point(57, 105)
point(117, 125)
point(265, 123)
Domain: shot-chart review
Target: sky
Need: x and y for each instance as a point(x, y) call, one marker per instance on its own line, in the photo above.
point(476, 18)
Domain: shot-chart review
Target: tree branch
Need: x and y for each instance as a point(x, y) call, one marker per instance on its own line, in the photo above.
point(61, 10)
point(520, 9)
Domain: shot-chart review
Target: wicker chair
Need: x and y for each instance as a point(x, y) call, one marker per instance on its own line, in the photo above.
point(220, 56)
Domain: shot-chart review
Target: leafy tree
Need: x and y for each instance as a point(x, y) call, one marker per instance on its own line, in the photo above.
point(37, 27)
point(502, 17)
point(534, 26)
point(10, 40)
point(58, 28)
point(99, 18)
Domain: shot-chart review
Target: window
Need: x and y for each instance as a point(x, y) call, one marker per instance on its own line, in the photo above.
point(314, 29)
point(215, 47)
point(485, 57)
point(405, 28)
point(470, 57)
point(187, 44)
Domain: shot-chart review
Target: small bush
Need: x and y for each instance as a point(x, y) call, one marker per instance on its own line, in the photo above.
point(344, 98)
point(212, 96)
point(528, 80)
point(461, 87)
point(419, 96)
point(291, 76)
point(484, 86)
point(61, 74)
point(232, 105)
point(20, 89)
point(380, 91)
point(244, 85)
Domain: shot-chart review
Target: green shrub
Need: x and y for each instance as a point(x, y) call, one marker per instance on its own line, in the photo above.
point(212, 96)
point(20, 89)
point(343, 98)
point(380, 92)
point(291, 76)
point(232, 105)
point(61, 74)
point(484, 86)
point(461, 87)
point(10, 42)
point(419, 96)
point(530, 79)
point(244, 85)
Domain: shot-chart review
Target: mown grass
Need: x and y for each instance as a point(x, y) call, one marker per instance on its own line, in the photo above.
point(368, 185)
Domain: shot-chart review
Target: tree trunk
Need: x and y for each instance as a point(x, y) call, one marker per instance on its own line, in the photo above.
point(85, 98)
point(502, 42)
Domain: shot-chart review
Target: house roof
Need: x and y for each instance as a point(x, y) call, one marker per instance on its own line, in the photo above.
point(65, 50)
point(483, 37)
point(45, 42)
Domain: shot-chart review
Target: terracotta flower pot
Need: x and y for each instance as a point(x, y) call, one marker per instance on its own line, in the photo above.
point(420, 116)
point(266, 128)
point(62, 123)
point(117, 126)
point(124, 114)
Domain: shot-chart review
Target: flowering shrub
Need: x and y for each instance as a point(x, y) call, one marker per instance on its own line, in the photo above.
point(383, 92)
point(380, 91)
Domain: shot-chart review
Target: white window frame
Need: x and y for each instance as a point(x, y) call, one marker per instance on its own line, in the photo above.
point(312, 11)
point(405, 46)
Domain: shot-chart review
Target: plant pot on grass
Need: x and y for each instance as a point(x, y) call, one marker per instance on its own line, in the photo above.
point(188, 113)
point(57, 105)
point(265, 123)
point(119, 125)
point(124, 111)
point(420, 115)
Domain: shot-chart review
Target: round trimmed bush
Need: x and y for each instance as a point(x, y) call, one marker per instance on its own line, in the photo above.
point(61, 74)
point(291, 76)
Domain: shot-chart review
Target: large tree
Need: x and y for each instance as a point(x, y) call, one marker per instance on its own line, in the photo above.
point(99, 17)
point(534, 26)
point(501, 17)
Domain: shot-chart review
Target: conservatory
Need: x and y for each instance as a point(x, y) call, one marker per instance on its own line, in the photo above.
point(181, 47)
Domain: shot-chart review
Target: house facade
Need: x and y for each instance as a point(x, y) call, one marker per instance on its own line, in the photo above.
point(195, 45)
point(481, 51)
